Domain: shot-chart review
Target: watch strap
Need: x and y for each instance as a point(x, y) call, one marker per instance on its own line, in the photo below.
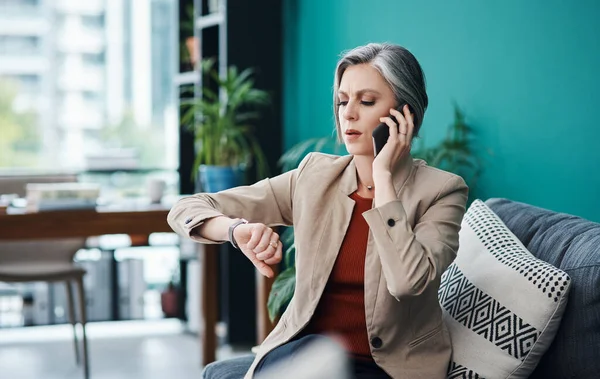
point(232, 228)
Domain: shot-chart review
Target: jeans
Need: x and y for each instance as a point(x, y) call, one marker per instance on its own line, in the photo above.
point(236, 368)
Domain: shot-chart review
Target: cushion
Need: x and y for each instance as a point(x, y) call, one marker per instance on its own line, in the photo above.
point(502, 305)
point(573, 245)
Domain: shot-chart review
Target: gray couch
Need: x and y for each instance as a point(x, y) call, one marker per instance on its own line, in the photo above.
point(565, 241)
point(573, 245)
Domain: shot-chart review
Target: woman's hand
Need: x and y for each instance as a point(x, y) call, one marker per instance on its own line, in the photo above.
point(398, 144)
point(260, 244)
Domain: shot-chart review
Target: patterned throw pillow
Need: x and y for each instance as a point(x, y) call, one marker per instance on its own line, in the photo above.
point(501, 304)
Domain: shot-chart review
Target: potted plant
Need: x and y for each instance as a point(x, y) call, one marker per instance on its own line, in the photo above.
point(190, 46)
point(454, 153)
point(221, 122)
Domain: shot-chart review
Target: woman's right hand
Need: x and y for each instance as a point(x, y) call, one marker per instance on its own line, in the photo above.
point(261, 246)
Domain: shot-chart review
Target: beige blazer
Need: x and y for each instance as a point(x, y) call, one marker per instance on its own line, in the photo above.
point(411, 242)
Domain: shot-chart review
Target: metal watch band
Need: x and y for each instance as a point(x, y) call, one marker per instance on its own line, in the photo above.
point(231, 228)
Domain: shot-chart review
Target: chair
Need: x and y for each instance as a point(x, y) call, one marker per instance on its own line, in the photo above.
point(46, 260)
point(49, 261)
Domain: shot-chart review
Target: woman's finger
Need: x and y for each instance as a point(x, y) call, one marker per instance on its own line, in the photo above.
point(268, 253)
point(256, 235)
point(402, 137)
point(271, 248)
point(277, 256)
point(402, 123)
point(264, 241)
point(392, 125)
point(410, 123)
point(261, 266)
point(264, 268)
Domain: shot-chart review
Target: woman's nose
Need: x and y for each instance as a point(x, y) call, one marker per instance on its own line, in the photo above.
point(350, 112)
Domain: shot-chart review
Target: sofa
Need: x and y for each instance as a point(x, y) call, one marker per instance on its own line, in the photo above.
point(566, 242)
point(573, 245)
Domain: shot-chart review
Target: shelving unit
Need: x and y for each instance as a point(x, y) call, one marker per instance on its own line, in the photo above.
point(186, 78)
point(245, 34)
point(207, 21)
point(210, 35)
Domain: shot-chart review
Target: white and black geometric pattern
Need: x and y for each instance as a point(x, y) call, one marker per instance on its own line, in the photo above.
point(456, 371)
point(505, 323)
point(500, 242)
point(485, 315)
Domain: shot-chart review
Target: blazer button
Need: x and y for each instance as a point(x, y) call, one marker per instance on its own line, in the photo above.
point(376, 342)
point(391, 222)
point(189, 220)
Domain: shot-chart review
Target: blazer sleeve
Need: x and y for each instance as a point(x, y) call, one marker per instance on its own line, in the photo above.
point(269, 201)
point(412, 259)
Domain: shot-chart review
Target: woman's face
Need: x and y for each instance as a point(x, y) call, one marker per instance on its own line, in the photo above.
point(363, 97)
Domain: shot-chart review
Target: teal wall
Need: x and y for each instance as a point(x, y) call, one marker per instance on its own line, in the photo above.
point(527, 74)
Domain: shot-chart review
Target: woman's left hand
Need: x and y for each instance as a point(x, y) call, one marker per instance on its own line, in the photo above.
point(398, 144)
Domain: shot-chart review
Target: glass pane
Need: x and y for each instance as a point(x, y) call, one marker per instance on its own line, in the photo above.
point(87, 85)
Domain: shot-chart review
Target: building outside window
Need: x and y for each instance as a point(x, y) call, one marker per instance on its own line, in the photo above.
point(80, 80)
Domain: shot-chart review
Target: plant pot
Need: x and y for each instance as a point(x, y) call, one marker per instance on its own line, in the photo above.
point(219, 178)
point(169, 302)
point(193, 47)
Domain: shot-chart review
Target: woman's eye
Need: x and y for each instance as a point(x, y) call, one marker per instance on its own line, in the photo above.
point(367, 103)
point(342, 103)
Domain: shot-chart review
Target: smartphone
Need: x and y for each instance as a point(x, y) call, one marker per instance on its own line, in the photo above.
point(382, 132)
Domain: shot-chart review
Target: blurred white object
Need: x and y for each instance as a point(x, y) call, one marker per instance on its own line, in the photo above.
point(115, 159)
point(321, 359)
point(54, 196)
point(156, 189)
point(132, 287)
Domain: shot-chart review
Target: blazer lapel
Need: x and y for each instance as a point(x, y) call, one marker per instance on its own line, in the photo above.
point(335, 226)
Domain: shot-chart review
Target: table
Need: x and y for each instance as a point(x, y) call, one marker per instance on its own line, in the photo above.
point(136, 219)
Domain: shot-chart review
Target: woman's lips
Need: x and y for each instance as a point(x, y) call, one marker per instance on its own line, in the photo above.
point(352, 134)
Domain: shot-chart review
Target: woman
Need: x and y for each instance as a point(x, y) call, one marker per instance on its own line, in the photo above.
point(373, 234)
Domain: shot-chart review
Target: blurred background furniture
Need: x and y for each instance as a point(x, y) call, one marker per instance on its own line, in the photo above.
point(49, 261)
point(137, 221)
point(16, 184)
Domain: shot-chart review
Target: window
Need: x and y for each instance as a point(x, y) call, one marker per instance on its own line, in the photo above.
point(28, 84)
point(19, 7)
point(115, 95)
point(93, 59)
point(18, 45)
point(93, 22)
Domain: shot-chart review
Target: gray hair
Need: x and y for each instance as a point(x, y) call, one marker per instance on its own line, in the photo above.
point(398, 67)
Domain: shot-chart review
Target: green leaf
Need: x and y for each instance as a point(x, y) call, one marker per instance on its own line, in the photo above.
point(455, 153)
point(282, 292)
point(292, 158)
point(221, 119)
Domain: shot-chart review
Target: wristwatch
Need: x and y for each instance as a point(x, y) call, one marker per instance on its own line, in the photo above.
point(232, 227)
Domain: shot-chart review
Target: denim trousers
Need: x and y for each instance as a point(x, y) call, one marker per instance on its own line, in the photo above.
point(236, 368)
